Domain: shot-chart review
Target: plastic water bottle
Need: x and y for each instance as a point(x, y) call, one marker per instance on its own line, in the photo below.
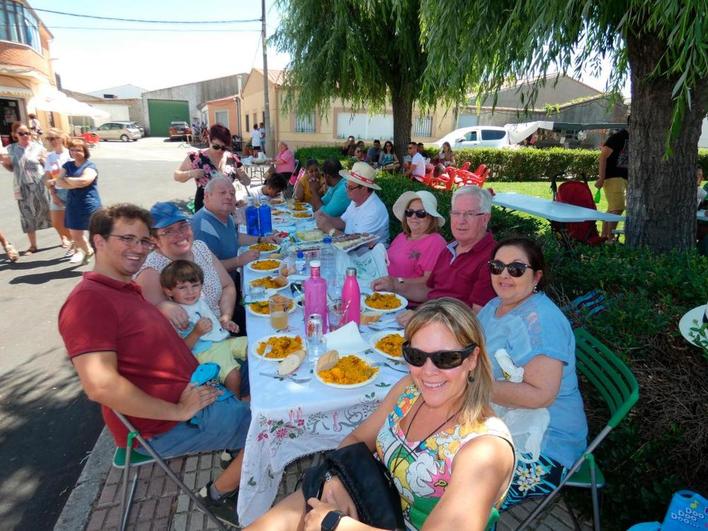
point(351, 298)
point(300, 263)
point(265, 223)
point(328, 267)
point(316, 294)
point(252, 218)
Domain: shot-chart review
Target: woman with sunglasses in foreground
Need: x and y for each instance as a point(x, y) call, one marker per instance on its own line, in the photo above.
point(414, 252)
point(217, 159)
point(450, 458)
point(525, 323)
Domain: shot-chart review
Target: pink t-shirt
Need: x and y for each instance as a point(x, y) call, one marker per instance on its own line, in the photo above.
point(287, 164)
point(412, 258)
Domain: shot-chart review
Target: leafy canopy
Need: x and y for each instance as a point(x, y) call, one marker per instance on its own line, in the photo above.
point(361, 51)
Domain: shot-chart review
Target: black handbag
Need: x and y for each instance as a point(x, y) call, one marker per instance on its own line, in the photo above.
point(367, 481)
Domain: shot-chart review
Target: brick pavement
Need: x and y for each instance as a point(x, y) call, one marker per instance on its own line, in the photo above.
point(158, 506)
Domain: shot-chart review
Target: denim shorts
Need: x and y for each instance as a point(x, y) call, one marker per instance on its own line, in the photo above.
point(222, 426)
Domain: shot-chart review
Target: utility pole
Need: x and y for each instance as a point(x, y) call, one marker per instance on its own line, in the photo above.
point(270, 145)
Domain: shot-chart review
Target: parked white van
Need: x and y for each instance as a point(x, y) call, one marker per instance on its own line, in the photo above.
point(478, 136)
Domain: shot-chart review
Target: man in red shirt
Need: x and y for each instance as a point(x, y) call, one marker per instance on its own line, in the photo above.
point(462, 272)
point(130, 359)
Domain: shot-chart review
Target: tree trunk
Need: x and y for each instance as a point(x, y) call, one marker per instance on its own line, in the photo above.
point(661, 195)
point(402, 103)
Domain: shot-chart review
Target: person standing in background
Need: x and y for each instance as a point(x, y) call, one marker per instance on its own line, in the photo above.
point(256, 140)
point(56, 158)
point(614, 162)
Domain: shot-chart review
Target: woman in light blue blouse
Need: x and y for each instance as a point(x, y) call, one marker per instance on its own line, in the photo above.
point(538, 338)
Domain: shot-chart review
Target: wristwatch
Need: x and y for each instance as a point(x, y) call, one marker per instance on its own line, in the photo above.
point(331, 520)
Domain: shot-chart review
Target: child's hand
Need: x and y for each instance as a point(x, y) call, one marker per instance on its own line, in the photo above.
point(229, 325)
point(203, 326)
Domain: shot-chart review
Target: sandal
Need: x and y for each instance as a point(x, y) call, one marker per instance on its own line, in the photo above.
point(12, 253)
point(29, 251)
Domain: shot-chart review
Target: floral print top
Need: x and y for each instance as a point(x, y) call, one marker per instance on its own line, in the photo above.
point(201, 161)
point(421, 470)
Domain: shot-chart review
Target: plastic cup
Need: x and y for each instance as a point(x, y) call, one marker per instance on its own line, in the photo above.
point(278, 306)
point(336, 312)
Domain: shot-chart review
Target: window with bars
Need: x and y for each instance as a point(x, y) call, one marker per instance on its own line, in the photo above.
point(305, 123)
point(248, 125)
point(18, 24)
point(423, 126)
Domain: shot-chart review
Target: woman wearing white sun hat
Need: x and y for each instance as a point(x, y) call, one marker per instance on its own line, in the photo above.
point(414, 252)
point(366, 212)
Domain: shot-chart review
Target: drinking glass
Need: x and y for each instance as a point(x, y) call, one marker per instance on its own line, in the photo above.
point(278, 306)
point(336, 312)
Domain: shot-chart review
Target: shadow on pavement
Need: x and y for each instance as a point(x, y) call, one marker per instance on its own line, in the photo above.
point(41, 278)
point(44, 438)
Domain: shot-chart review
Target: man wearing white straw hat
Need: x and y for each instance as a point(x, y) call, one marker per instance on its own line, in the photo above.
point(366, 212)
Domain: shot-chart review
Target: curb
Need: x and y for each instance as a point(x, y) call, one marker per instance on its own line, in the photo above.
point(77, 510)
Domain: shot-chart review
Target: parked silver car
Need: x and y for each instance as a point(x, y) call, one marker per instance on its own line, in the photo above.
point(124, 131)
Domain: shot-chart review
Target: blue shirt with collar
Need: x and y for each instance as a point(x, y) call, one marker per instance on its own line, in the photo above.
point(220, 237)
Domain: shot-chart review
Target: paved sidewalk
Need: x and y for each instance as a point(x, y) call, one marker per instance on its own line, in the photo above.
point(157, 505)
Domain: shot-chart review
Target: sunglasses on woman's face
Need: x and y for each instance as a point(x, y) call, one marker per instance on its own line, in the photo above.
point(515, 269)
point(420, 214)
point(218, 147)
point(442, 359)
point(23, 133)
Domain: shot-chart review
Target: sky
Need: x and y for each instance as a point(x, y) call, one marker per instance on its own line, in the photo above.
point(93, 54)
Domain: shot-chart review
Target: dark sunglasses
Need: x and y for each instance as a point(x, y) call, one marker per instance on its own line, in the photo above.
point(218, 147)
point(52, 138)
point(442, 359)
point(515, 269)
point(420, 214)
point(22, 133)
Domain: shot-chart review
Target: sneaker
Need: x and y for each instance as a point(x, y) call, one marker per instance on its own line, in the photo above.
point(224, 508)
point(78, 257)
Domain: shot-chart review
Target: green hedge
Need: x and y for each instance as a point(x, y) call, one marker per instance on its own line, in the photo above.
point(319, 153)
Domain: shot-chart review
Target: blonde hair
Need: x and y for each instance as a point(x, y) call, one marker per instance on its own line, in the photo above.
point(459, 319)
point(53, 131)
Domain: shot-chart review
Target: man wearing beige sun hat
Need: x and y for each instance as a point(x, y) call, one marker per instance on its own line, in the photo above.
point(366, 212)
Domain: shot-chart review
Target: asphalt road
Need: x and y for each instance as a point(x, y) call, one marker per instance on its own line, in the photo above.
point(47, 426)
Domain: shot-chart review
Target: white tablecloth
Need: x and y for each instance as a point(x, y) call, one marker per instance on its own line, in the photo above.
point(551, 210)
point(291, 420)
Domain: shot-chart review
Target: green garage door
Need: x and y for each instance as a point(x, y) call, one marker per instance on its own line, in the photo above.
point(162, 112)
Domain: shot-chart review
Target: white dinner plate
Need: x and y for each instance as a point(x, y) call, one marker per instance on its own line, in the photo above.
point(265, 340)
point(692, 319)
point(402, 300)
point(374, 338)
point(276, 268)
point(352, 386)
point(275, 248)
point(270, 291)
point(249, 308)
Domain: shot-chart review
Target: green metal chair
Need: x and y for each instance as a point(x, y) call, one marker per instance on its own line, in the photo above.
point(618, 387)
point(126, 459)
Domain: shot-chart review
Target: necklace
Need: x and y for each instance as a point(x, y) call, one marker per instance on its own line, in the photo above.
point(422, 441)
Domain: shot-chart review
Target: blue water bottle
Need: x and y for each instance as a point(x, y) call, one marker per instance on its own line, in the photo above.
point(252, 219)
point(264, 220)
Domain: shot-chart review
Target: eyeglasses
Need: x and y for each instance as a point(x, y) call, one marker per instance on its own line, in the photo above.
point(515, 269)
point(420, 214)
point(23, 133)
point(129, 239)
point(76, 149)
point(50, 138)
point(466, 215)
point(218, 147)
point(178, 228)
point(442, 359)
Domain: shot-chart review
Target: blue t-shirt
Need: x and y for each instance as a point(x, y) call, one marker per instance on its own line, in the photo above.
point(537, 326)
point(221, 238)
point(335, 201)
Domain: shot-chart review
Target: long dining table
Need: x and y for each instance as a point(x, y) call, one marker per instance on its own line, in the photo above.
point(296, 416)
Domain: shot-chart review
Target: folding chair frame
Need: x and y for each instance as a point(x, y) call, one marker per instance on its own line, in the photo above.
point(620, 395)
point(127, 498)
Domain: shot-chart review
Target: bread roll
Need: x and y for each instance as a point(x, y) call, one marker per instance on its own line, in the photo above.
point(327, 360)
point(291, 362)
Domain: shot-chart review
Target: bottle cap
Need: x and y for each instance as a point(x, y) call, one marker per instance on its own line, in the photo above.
point(315, 263)
point(300, 254)
point(327, 240)
point(351, 271)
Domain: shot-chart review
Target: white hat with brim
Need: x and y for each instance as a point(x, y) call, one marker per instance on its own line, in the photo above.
point(361, 173)
point(430, 205)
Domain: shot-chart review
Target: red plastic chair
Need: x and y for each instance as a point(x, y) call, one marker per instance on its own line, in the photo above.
point(477, 178)
point(92, 139)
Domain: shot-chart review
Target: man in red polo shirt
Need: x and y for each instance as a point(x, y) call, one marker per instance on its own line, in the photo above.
point(130, 359)
point(462, 272)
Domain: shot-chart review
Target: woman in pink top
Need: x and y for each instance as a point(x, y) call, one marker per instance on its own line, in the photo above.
point(285, 160)
point(413, 253)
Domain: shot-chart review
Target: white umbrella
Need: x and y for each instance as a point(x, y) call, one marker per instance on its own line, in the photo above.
point(53, 100)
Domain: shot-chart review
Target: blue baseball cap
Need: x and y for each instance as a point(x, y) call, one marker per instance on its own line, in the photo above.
point(165, 214)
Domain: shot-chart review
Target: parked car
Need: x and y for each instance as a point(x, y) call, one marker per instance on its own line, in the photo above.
point(180, 130)
point(124, 131)
point(479, 136)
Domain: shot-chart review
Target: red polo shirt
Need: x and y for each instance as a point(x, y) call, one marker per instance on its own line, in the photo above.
point(103, 314)
point(464, 276)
